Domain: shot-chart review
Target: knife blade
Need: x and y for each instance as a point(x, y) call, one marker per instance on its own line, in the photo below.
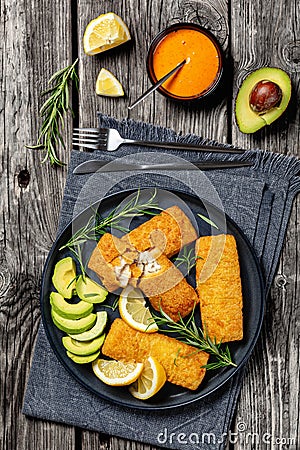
point(94, 165)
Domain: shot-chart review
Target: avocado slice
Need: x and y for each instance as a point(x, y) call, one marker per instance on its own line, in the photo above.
point(64, 277)
point(253, 90)
point(71, 326)
point(95, 331)
point(69, 310)
point(90, 291)
point(83, 359)
point(83, 348)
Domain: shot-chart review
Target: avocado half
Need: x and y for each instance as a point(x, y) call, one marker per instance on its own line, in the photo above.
point(249, 120)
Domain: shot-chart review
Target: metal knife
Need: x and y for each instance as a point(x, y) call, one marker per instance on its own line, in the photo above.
point(95, 164)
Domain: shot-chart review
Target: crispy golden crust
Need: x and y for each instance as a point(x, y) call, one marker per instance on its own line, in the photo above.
point(181, 362)
point(187, 230)
point(111, 247)
point(169, 290)
point(104, 270)
point(169, 231)
point(219, 287)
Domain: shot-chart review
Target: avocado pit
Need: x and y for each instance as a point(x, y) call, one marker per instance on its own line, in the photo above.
point(265, 96)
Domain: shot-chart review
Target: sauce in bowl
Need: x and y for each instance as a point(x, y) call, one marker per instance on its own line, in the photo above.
point(203, 68)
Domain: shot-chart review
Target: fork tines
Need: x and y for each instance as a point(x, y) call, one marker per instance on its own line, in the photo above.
point(92, 138)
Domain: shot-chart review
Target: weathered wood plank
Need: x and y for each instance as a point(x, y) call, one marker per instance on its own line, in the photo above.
point(35, 41)
point(265, 34)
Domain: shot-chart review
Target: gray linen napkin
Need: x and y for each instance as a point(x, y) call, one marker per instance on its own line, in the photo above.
point(259, 199)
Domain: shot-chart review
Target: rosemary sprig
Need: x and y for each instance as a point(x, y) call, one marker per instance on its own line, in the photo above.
point(52, 112)
point(134, 208)
point(188, 258)
point(189, 333)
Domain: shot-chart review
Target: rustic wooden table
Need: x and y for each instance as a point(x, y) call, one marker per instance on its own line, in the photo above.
point(37, 38)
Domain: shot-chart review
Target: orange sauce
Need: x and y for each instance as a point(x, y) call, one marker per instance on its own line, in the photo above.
point(201, 69)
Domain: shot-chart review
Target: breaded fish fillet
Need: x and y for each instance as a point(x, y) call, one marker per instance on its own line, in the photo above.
point(169, 231)
point(219, 287)
point(166, 288)
point(111, 261)
point(181, 362)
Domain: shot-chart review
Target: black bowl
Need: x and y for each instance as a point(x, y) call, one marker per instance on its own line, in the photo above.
point(160, 36)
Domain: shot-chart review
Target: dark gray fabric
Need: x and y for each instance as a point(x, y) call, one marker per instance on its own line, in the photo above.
point(259, 199)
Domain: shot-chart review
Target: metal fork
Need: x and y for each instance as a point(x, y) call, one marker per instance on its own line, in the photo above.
point(109, 139)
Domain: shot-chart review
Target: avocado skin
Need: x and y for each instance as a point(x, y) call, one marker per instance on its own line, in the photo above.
point(83, 348)
point(64, 277)
point(85, 289)
point(73, 326)
point(249, 121)
point(83, 359)
point(68, 310)
point(95, 331)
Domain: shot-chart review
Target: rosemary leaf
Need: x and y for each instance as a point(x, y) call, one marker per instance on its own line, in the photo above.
point(210, 222)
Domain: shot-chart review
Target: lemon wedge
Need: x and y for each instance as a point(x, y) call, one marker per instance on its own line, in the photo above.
point(105, 32)
point(117, 373)
point(108, 85)
point(151, 380)
point(133, 310)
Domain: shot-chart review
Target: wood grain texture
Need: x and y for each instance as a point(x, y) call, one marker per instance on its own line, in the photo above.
point(37, 38)
point(265, 34)
point(32, 37)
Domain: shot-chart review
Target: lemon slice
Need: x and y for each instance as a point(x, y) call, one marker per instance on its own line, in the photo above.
point(108, 85)
point(117, 373)
point(105, 32)
point(133, 310)
point(151, 380)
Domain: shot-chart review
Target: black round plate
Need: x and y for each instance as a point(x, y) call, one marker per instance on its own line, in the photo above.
point(170, 395)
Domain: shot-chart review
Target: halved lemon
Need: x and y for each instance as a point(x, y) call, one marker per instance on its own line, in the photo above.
point(133, 310)
point(105, 32)
point(117, 373)
point(108, 85)
point(151, 380)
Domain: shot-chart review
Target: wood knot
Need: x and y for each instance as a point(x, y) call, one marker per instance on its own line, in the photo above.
point(281, 281)
point(23, 178)
point(291, 55)
point(206, 15)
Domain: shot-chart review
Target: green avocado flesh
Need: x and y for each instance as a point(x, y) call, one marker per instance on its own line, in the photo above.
point(83, 348)
point(83, 359)
point(95, 331)
point(250, 121)
point(68, 310)
point(64, 277)
point(73, 326)
point(89, 291)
